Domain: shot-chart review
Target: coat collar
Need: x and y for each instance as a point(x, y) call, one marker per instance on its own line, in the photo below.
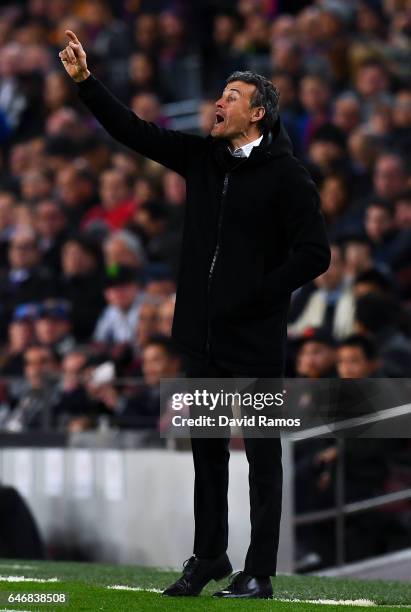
point(275, 143)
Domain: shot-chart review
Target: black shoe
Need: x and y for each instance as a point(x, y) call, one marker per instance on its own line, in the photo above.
point(246, 586)
point(197, 573)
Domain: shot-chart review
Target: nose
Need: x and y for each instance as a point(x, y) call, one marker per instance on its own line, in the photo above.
point(219, 103)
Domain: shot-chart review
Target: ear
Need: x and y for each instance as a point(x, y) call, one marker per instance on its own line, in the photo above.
point(257, 114)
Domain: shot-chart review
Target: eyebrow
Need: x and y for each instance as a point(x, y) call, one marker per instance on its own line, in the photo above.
point(236, 90)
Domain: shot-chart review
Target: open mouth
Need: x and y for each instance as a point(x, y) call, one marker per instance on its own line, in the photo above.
point(219, 118)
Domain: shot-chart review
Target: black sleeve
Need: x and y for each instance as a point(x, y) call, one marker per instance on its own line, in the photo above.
point(167, 147)
point(309, 251)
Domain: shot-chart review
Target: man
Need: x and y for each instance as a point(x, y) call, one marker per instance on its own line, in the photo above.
point(117, 323)
point(316, 354)
point(25, 280)
point(379, 316)
point(116, 206)
point(160, 359)
point(331, 305)
point(253, 233)
point(52, 326)
point(35, 408)
point(51, 226)
point(357, 357)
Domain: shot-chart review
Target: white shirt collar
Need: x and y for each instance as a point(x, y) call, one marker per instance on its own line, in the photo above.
point(246, 149)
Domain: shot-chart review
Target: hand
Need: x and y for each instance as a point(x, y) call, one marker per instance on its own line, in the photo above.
point(74, 58)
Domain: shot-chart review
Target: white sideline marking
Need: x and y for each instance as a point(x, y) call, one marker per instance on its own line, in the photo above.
point(122, 587)
point(10, 610)
point(334, 602)
point(327, 602)
point(24, 579)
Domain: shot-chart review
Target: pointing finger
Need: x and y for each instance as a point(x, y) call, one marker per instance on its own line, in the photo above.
point(72, 36)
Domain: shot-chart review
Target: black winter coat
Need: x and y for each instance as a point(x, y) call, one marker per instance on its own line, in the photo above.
point(253, 233)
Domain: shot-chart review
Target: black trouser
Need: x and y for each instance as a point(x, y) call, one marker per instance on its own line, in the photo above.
point(211, 457)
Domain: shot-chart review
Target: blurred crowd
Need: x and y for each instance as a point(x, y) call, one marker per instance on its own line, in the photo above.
point(90, 232)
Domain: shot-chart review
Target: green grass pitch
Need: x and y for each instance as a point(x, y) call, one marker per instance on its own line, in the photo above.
point(87, 587)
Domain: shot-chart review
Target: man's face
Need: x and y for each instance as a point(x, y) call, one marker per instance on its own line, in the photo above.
point(315, 359)
point(347, 114)
point(371, 80)
point(353, 363)
point(20, 335)
point(23, 252)
point(234, 114)
point(121, 296)
point(72, 367)
point(378, 222)
point(158, 364)
point(389, 177)
point(38, 363)
point(147, 323)
point(357, 257)
point(75, 260)
point(49, 330)
point(314, 94)
point(113, 189)
point(49, 220)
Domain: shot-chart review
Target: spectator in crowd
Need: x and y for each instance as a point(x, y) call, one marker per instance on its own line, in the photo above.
point(25, 280)
point(160, 360)
point(75, 191)
point(147, 321)
point(357, 357)
point(116, 204)
point(73, 409)
point(372, 281)
point(52, 326)
point(123, 248)
point(118, 321)
point(82, 284)
point(387, 241)
point(379, 317)
point(36, 185)
point(390, 176)
point(35, 405)
point(51, 226)
point(331, 305)
point(316, 354)
point(357, 255)
point(150, 224)
point(20, 337)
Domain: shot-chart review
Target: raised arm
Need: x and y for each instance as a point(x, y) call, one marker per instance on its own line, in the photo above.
point(170, 148)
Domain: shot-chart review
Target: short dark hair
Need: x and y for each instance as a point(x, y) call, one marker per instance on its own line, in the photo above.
point(365, 343)
point(384, 204)
point(375, 277)
point(164, 342)
point(265, 95)
point(404, 196)
point(376, 312)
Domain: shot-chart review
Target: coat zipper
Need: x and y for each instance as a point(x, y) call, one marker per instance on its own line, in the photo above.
point(215, 257)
